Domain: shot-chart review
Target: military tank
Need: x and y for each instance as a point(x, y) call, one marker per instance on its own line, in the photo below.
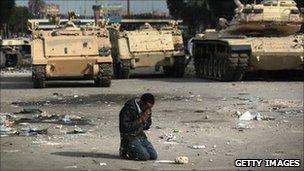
point(263, 36)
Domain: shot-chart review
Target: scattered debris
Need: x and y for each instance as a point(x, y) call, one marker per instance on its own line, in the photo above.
point(165, 161)
point(58, 127)
point(55, 94)
point(102, 164)
point(39, 142)
point(238, 113)
point(247, 116)
point(250, 98)
point(70, 167)
point(199, 100)
point(5, 131)
point(171, 142)
point(198, 146)
point(6, 119)
point(77, 130)
point(199, 111)
point(42, 142)
point(242, 125)
point(181, 160)
point(173, 98)
point(10, 151)
point(29, 131)
point(268, 118)
point(169, 137)
point(229, 154)
point(174, 130)
point(158, 127)
point(30, 111)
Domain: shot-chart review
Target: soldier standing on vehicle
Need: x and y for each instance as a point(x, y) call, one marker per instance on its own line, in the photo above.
point(134, 118)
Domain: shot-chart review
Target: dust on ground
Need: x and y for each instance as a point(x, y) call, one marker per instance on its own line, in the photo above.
point(192, 117)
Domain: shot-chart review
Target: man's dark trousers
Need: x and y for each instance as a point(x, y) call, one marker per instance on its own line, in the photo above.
point(141, 149)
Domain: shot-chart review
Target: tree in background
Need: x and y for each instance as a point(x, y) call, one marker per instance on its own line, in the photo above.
point(203, 14)
point(13, 20)
point(18, 20)
point(35, 7)
point(6, 8)
point(192, 13)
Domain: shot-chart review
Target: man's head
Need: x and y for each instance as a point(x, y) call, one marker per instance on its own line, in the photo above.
point(147, 100)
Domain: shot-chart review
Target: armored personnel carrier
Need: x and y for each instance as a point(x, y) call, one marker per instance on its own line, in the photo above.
point(263, 36)
point(72, 51)
point(14, 52)
point(147, 46)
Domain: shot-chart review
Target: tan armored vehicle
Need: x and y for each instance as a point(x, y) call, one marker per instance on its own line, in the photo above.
point(72, 51)
point(14, 52)
point(260, 37)
point(147, 46)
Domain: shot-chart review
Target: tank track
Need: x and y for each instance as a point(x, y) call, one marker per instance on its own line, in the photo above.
point(38, 76)
point(103, 79)
point(2, 60)
point(122, 69)
point(178, 68)
point(229, 68)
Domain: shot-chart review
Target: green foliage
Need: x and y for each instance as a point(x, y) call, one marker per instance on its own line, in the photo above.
point(35, 7)
point(176, 8)
point(18, 20)
point(193, 15)
point(6, 7)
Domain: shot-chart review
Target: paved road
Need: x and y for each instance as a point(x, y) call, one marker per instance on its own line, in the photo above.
point(202, 111)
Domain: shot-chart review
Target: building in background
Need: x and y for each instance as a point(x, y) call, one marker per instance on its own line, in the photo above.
point(50, 9)
point(113, 12)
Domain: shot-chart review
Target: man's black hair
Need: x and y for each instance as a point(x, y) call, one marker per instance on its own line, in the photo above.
point(147, 98)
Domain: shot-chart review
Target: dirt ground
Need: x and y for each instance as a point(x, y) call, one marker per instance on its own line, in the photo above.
point(195, 111)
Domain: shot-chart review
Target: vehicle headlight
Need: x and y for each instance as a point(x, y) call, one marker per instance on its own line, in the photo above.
point(104, 51)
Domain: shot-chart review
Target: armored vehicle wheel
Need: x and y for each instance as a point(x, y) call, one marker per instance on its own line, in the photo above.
point(178, 68)
point(197, 67)
point(210, 67)
point(242, 65)
point(2, 60)
point(205, 66)
point(215, 68)
point(168, 70)
point(227, 70)
point(14, 60)
point(38, 76)
point(219, 68)
point(103, 79)
point(122, 69)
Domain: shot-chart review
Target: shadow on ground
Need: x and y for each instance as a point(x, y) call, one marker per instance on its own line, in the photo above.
point(25, 82)
point(86, 154)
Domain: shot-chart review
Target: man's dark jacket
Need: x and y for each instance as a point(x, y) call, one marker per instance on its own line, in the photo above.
point(130, 126)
